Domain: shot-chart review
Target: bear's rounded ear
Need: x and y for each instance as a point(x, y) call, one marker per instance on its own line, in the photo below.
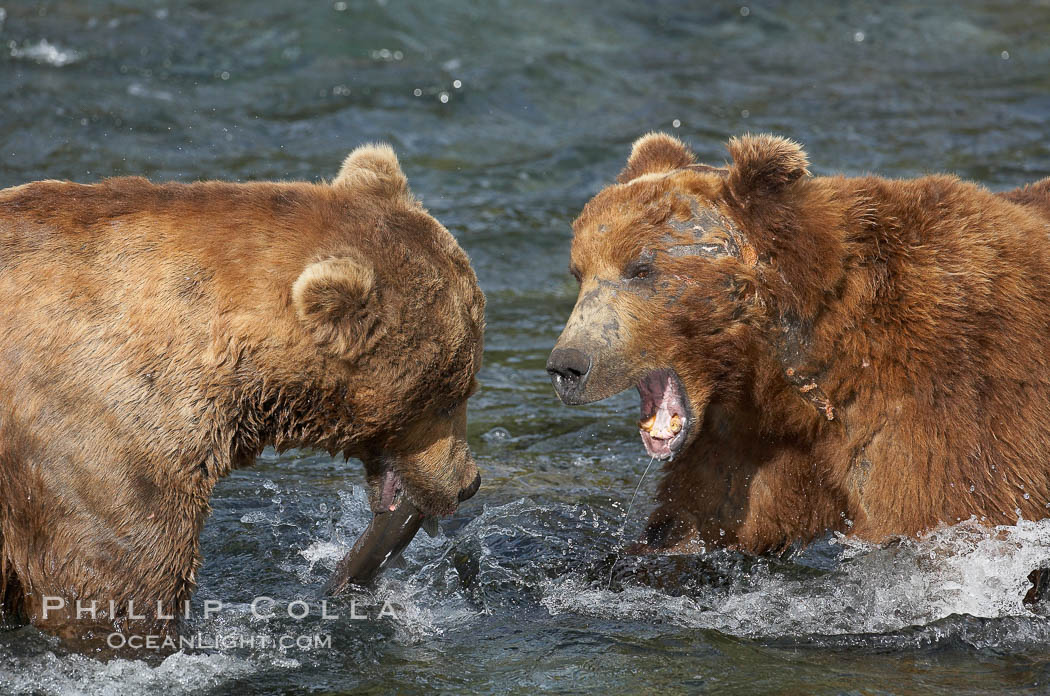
point(655, 153)
point(336, 300)
point(373, 168)
point(764, 164)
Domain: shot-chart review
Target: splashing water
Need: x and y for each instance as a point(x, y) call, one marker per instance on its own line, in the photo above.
point(62, 675)
point(959, 585)
point(627, 515)
point(44, 52)
point(960, 570)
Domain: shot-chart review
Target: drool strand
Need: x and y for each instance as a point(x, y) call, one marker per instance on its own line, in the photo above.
point(627, 516)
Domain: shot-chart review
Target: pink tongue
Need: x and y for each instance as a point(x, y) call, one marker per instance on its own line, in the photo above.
point(660, 398)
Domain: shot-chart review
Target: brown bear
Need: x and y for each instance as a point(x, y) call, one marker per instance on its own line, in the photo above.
point(155, 337)
point(862, 355)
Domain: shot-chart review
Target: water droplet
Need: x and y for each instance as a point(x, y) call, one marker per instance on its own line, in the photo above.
point(721, 532)
point(676, 123)
point(1026, 496)
point(417, 92)
point(858, 36)
point(225, 74)
point(340, 6)
point(1005, 55)
point(443, 97)
point(745, 11)
point(496, 435)
point(457, 84)
point(745, 113)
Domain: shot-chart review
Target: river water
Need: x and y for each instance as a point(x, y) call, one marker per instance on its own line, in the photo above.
point(507, 117)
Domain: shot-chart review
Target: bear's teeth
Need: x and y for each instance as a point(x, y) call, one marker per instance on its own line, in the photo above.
point(648, 423)
point(676, 423)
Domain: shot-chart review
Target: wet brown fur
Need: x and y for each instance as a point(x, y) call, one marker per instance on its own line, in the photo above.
point(155, 337)
point(865, 355)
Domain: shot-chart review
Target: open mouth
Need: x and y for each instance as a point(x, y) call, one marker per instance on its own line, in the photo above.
point(665, 418)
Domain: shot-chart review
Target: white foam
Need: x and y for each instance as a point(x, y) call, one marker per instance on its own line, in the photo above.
point(136, 89)
point(44, 52)
point(964, 569)
point(76, 674)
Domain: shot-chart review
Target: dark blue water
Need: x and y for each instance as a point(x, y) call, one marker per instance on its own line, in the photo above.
point(507, 117)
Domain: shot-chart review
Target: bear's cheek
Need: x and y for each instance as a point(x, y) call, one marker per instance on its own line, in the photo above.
point(662, 328)
point(700, 341)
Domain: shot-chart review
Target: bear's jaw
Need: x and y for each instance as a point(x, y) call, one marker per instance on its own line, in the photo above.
point(665, 422)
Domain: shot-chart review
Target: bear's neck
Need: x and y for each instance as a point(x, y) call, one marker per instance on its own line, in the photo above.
point(805, 267)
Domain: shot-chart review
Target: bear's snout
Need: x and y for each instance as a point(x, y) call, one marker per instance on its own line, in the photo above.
point(569, 368)
point(468, 492)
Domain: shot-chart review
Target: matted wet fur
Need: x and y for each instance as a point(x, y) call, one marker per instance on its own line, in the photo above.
point(864, 355)
point(155, 337)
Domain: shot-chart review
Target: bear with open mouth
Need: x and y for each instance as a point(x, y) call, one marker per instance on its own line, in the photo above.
point(815, 354)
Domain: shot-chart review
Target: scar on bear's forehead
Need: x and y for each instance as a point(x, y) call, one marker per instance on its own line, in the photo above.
point(696, 250)
point(703, 222)
point(701, 218)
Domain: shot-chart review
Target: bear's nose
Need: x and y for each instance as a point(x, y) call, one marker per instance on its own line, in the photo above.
point(568, 368)
point(470, 490)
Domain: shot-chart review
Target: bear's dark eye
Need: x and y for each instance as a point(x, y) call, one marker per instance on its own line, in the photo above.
point(638, 269)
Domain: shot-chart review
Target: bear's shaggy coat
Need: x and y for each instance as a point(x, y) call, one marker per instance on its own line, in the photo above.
point(857, 354)
point(155, 337)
